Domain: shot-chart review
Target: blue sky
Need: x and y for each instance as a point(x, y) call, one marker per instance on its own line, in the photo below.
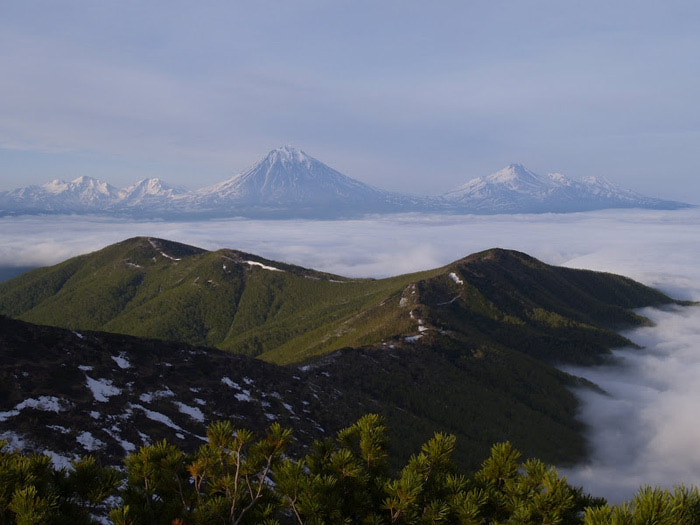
point(411, 96)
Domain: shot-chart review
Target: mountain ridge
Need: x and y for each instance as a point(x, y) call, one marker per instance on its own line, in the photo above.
point(237, 301)
point(288, 183)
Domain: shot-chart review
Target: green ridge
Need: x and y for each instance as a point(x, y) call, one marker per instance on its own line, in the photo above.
point(285, 314)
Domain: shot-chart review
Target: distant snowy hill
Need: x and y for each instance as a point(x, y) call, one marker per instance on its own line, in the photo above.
point(149, 192)
point(88, 195)
point(515, 189)
point(82, 195)
point(289, 183)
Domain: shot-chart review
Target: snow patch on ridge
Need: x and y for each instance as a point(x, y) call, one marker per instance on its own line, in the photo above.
point(193, 412)
point(160, 418)
point(89, 442)
point(122, 361)
point(244, 395)
point(263, 266)
point(45, 403)
point(102, 389)
point(229, 383)
point(148, 397)
point(156, 247)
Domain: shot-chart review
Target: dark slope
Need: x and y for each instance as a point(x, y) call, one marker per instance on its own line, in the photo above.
point(75, 393)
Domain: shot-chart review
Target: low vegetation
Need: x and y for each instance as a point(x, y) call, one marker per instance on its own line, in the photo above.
point(240, 478)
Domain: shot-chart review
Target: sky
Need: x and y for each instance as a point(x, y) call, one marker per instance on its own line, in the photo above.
point(643, 432)
point(409, 96)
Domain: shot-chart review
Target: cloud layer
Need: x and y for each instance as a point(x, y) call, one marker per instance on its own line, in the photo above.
point(643, 431)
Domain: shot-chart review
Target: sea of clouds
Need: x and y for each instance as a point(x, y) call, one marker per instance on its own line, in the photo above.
point(643, 430)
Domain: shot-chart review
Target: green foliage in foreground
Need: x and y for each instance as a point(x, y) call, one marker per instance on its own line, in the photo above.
point(33, 491)
point(238, 478)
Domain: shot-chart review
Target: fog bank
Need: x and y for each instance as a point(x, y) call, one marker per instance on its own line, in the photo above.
point(643, 431)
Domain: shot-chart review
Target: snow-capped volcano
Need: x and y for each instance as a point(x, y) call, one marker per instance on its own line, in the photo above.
point(515, 179)
point(516, 189)
point(288, 180)
point(289, 176)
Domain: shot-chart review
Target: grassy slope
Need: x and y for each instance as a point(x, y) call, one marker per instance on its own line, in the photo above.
point(160, 289)
point(551, 313)
point(212, 298)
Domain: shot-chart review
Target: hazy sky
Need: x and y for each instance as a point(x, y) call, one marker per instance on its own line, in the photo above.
point(403, 95)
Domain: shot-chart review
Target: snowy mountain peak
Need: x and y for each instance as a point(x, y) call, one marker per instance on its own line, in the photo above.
point(149, 192)
point(512, 181)
point(87, 188)
point(288, 153)
point(285, 167)
point(558, 177)
point(284, 160)
point(84, 180)
point(515, 189)
point(287, 178)
point(152, 186)
point(512, 174)
point(55, 186)
point(511, 171)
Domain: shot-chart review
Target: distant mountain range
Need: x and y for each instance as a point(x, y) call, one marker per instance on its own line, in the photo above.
point(516, 189)
point(468, 349)
point(289, 183)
